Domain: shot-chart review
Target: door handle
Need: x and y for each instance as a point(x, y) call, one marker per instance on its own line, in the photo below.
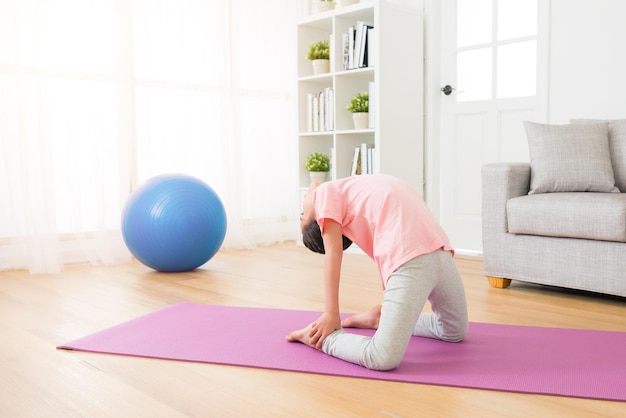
point(447, 89)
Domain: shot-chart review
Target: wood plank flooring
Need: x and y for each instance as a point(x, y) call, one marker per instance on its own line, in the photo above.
point(37, 313)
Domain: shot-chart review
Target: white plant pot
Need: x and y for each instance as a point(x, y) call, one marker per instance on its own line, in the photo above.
point(320, 66)
point(322, 6)
point(361, 120)
point(318, 176)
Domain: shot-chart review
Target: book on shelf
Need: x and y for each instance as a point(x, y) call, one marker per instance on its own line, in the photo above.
point(362, 28)
point(351, 34)
point(330, 109)
point(316, 113)
point(358, 35)
point(355, 45)
point(345, 48)
point(309, 112)
point(370, 160)
point(365, 61)
point(362, 160)
point(371, 47)
point(363, 50)
point(355, 169)
point(320, 109)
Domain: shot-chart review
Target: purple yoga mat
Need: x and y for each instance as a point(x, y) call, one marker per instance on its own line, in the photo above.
point(550, 361)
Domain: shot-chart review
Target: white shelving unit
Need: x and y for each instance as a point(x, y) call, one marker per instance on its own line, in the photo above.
point(394, 76)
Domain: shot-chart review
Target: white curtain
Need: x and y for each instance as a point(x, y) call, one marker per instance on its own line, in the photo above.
point(97, 96)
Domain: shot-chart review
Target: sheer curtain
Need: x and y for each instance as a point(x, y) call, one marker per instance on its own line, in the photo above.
point(97, 96)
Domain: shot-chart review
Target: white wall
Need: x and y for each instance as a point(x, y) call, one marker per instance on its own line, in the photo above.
point(587, 68)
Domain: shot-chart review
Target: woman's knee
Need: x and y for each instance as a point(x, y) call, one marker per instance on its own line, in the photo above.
point(382, 358)
point(455, 335)
point(382, 364)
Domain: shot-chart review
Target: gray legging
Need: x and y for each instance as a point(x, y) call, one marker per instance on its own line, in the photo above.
point(432, 277)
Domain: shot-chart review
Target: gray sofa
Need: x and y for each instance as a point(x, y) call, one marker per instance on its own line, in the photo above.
point(559, 220)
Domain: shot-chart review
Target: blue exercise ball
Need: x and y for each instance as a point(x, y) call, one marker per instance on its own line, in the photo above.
point(174, 222)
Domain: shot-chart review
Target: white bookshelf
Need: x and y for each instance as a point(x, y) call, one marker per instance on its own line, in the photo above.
point(394, 75)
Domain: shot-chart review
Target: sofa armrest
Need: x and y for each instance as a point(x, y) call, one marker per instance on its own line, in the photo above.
point(500, 182)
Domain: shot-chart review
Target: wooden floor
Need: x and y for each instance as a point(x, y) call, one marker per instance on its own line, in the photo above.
point(37, 313)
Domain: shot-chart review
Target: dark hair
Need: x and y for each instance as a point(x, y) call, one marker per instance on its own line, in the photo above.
point(312, 238)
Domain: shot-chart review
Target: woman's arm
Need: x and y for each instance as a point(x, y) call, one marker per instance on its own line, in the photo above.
point(333, 248)
point(316, 332)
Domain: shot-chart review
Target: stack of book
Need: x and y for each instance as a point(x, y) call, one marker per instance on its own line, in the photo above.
point(321, 111)
point(358, 45)
point(362, 160)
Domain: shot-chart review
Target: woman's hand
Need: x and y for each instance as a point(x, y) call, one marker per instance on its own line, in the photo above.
point(322, 327)
point(316, 332)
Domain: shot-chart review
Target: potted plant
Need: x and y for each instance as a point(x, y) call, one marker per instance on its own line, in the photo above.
point(359, 106)
point(319, 55)
point(318, 166)
point(323, 5)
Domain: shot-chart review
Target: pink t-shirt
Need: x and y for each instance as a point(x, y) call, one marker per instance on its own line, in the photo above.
point(385, 216)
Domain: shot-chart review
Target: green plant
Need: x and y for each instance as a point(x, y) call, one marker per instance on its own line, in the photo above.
point(319, 50)
point(317, 162)
point(359, 103)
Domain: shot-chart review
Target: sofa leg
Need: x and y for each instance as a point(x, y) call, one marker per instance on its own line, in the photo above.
point(499, 282)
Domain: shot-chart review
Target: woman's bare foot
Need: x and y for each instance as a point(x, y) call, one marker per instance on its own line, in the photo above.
point(369, 319)
point(302, 335)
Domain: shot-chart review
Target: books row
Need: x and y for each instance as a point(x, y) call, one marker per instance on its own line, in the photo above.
point(357, 45)
point(362, 161)
point(320, 111)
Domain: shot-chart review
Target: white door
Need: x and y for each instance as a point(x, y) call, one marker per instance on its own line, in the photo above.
point(494, 66)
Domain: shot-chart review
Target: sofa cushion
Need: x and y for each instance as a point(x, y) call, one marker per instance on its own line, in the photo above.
point(596, 216)
point(570, 158)
point(617, 147)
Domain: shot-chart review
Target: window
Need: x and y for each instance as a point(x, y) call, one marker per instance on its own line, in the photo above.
point(496, 49)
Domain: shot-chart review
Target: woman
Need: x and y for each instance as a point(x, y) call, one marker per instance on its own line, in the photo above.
point(390, 222)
